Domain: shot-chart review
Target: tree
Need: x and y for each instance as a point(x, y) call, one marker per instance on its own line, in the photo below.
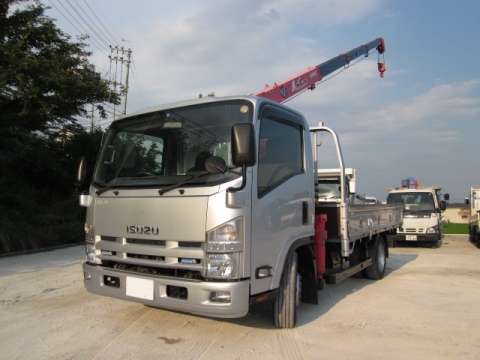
point(46, 80)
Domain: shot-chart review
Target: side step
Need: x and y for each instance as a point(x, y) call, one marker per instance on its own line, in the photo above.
point(335, 278)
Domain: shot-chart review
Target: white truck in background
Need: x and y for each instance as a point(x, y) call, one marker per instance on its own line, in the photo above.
point(474, 224)
point(422, 214)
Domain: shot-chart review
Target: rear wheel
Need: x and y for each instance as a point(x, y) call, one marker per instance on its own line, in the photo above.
point(288, 297)
point(378, 251)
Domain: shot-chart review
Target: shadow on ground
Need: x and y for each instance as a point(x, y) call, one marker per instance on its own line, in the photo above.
point(261, 315)
point(417, 244)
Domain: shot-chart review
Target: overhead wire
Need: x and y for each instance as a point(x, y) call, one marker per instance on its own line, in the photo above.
point(93, 22)
point(112, 37)
point(94, 32)
point(74, 23)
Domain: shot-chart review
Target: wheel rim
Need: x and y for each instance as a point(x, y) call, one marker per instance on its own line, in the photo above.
point(381, 258)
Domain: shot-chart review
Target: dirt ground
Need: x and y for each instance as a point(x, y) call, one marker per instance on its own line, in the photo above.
point(427, 307)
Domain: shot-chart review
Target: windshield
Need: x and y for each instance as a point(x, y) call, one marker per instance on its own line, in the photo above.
point(414, 201)
point(165, 147)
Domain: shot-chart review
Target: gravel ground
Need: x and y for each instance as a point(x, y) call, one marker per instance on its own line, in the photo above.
point(427, 307)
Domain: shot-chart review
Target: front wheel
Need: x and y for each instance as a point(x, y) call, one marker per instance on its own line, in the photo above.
point(438, 243)
point(288, 297)
point(376, 271)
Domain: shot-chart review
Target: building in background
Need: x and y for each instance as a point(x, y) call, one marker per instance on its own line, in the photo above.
point(457, 213)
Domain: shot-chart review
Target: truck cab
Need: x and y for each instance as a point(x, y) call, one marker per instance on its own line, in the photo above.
point(177, 219)
point(422, 214)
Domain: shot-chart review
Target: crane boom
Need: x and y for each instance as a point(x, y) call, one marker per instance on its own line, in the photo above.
point(308, 78)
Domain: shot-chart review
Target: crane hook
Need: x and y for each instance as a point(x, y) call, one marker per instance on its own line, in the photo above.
point(381, 69)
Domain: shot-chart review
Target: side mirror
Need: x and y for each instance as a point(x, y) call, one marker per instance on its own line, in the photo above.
point(243, 145)
point(243, 150)
point(352, 186)
point(467, 201)
point(446, 197)
point(82, 171)
point(443, 205)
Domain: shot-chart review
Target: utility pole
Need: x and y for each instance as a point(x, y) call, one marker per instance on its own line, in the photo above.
point(129, 55)
point(92, 119)
point(119, 58)
point(115, 80)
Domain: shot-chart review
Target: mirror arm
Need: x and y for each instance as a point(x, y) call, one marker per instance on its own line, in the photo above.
point(244, 181)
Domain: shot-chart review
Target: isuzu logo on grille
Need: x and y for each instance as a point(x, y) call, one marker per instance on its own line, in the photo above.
point(142, 229)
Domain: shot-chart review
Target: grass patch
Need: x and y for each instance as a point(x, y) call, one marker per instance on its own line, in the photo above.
point(454, 228)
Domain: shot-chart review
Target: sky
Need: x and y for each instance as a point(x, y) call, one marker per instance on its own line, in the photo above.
point(421, 120)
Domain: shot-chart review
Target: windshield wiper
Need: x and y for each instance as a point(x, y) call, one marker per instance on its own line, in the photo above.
point(186, 181)
point(110, 185)
point(195, 177)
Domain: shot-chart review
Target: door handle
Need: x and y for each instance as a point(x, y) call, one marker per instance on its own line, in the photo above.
point(305, 212)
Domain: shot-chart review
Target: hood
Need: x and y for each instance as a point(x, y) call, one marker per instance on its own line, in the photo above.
point(415, 222)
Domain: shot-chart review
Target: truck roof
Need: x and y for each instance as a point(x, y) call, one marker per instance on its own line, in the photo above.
point(256, 100)
point(418, 189)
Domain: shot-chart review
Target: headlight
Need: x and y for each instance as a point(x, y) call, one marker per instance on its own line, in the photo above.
point(224, 250)
point(221, 266)
point(89, 234)
point(226, 238)
point(432, 230)
point(90, 249)
point(91, 253)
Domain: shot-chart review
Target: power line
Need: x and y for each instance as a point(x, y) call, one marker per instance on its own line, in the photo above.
point(71, 17)
point(87, 23)
point(99, 30)
point(112, 38)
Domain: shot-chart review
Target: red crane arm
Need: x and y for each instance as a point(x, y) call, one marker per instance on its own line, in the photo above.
point(308, 78)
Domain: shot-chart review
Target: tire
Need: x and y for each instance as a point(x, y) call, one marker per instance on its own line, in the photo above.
point(376, 271)
point(476, 238)
point(437, 244)
point(287, 299)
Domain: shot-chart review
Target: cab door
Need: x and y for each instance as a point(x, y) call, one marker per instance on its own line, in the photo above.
point(282, 194)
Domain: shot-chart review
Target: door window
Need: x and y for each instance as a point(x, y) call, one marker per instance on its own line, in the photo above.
point(280, 153)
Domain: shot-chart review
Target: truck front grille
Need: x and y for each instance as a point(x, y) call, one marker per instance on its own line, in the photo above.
point(148, 270)
point(151, 253)
point(146, 242)
point(147, 257)
point(414, 230)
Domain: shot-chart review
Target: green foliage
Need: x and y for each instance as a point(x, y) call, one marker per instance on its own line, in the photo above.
point(46, 82)
point(454, 228)
point(46, 79)
point(38, 204)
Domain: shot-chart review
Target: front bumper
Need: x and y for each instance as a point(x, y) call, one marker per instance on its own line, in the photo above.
point(420, 238)
point(198, 293)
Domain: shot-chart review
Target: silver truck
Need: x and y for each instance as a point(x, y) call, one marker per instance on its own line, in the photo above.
point(211, 205)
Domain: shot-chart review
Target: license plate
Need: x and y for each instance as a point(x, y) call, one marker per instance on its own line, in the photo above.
point(410, 237)
point(139, 288)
